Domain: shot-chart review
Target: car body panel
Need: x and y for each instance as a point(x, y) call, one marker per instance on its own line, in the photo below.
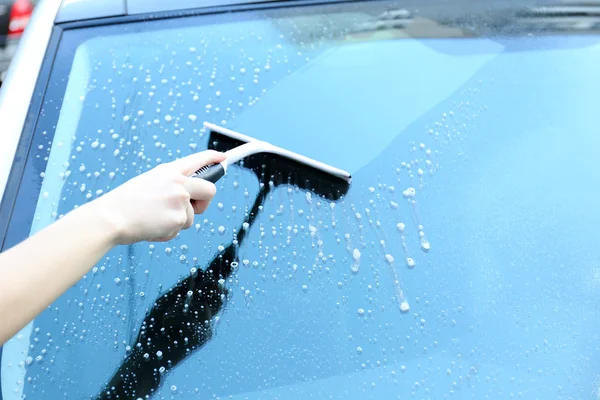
point(78, 10)
point(17, 90)
point(149, 6)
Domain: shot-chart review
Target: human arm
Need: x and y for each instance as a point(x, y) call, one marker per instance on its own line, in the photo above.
point(153, 206)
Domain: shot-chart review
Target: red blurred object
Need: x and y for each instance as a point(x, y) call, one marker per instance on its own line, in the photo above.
point(19, 17)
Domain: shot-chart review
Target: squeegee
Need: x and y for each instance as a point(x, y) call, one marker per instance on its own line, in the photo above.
point(246, 146)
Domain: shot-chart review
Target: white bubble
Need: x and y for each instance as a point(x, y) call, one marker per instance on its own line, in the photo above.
point(221, 248)
point(361, 312)
point(359, 350)
point(304, 288)
point(425, 246)
point(356, 254)
point(404, 307)
point(410, 262)
point(192, 117)
point(308, 197)
point(221, 229)
point(389, 259)
point(410, 192)
point(393, 205)
point(126, 118)
point(400, 226)
point(168, 118)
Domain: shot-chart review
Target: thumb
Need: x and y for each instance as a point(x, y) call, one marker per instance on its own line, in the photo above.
point(190, 164)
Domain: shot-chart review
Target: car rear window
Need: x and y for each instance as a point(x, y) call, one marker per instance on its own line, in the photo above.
point(460, 262)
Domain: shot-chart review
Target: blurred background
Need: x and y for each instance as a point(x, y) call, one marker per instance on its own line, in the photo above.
point(14, 17)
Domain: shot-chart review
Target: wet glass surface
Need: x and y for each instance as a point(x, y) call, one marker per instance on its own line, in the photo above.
point(461, 263)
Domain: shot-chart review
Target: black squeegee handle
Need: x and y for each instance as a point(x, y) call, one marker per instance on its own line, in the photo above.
point(211, 173)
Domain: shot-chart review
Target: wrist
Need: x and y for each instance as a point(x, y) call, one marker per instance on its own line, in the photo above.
point(100, 217)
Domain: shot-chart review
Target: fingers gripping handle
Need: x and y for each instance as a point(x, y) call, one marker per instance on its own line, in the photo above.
point(211, 173)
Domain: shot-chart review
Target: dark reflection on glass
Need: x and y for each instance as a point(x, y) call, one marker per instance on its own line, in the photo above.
point(182, 319)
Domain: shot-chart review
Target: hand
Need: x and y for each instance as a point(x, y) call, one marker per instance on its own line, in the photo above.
point(157, 204)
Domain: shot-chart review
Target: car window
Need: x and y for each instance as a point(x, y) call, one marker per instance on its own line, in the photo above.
point(460, 262)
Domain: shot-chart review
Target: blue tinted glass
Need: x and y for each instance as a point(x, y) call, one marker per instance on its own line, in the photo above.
point(460, 264)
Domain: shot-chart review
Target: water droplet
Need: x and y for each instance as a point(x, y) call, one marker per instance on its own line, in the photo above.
point(192, 117)
point(404, 307)
point(221, 229)
point(425, 246)
point(308, 197)
point(410, 262)
point(389, 259)
point(410, 192)
point(359, 350)
point(356, 254)
point(361, 312)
